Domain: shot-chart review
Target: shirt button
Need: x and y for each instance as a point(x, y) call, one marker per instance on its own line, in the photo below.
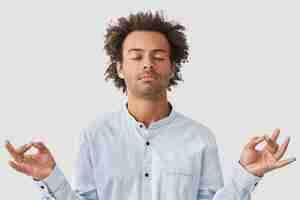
point(141, 126)
point(42, 187)
point(147, 143)
point(146, 174)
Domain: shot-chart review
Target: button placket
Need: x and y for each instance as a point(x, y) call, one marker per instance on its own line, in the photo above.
point(142, 130)
point(44, 190)
point(147, 161)
point(148, 155)
point(147, 175)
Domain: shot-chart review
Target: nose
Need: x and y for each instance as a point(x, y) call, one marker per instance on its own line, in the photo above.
point(148, 62)
point(147, 67)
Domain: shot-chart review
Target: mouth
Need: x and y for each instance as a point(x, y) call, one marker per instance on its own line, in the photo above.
point(147, 77)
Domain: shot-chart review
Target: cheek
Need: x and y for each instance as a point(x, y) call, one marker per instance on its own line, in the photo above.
point(130, 75)
point(164, 69)
point(130, 68)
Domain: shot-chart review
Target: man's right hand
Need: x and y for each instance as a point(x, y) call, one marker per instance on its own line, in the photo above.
point(38, 166)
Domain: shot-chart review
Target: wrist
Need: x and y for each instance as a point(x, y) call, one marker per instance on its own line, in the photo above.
point(252, 169)
point(45, 174)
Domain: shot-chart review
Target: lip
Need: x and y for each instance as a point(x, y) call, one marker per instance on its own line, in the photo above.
point(147, 77)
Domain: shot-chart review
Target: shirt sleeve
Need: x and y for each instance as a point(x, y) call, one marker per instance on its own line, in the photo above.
point(240, 186)
point(56, 186)
point(212, 187)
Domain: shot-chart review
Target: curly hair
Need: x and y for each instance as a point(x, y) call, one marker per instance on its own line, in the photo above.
point(144, 21)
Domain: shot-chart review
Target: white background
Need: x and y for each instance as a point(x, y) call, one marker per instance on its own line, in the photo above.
point(242, 79)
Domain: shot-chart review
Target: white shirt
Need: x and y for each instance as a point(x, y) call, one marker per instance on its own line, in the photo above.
point(175, 158)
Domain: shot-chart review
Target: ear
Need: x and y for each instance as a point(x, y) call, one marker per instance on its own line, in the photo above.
point(119, 70)
point(172, 74)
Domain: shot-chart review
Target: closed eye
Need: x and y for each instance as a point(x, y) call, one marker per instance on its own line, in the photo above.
point(136, 58)
point(155, 58)
point(161, 59)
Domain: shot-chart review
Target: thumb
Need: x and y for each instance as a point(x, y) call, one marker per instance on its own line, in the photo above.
point(254, 142)
point(40, 146)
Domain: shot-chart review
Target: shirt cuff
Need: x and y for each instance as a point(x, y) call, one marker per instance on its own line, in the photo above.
point(50, 185)
point(245, 179)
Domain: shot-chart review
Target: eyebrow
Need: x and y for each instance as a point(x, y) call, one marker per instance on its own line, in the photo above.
point(142, 50)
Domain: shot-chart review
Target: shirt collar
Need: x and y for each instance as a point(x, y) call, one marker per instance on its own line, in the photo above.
point(157, 124)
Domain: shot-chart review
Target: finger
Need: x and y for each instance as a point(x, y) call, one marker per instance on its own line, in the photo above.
point(13, 152)
point(271, 145)
point(40, 146)
point(18, 167)
point(23, 148)
point(270, 157)
point(281, 151)
point(275, 134)
point(28, 159)
point(253, 142)
point(283, 163)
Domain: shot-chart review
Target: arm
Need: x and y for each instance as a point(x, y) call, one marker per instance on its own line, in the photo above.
point(252, 166)
point(57, 187)
point(212, 186)
point(239, 187)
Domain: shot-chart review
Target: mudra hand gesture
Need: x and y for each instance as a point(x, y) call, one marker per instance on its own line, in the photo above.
point(259, 162)
point(38, 166)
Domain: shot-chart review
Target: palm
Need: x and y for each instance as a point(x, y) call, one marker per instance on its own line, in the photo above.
point(37, 165)
point(261, 161)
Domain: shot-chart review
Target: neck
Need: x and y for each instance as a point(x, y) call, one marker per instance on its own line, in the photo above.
point(148, 110)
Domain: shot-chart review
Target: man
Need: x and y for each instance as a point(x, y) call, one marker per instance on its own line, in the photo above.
point(147, 150)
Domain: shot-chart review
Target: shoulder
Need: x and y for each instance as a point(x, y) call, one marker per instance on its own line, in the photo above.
point(103, 121)
point(192, 126)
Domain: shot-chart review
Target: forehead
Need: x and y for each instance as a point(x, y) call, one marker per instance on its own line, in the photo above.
point(146, 40)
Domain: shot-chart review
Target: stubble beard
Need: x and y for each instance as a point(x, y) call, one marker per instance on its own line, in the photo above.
point(150, 91)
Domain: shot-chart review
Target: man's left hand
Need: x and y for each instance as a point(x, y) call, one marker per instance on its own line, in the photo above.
point(259, 162)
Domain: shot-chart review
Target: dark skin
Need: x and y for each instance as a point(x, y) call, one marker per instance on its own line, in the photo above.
point(41, 164)
point(147, 69)
point(38, 166)
point(267, 159)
